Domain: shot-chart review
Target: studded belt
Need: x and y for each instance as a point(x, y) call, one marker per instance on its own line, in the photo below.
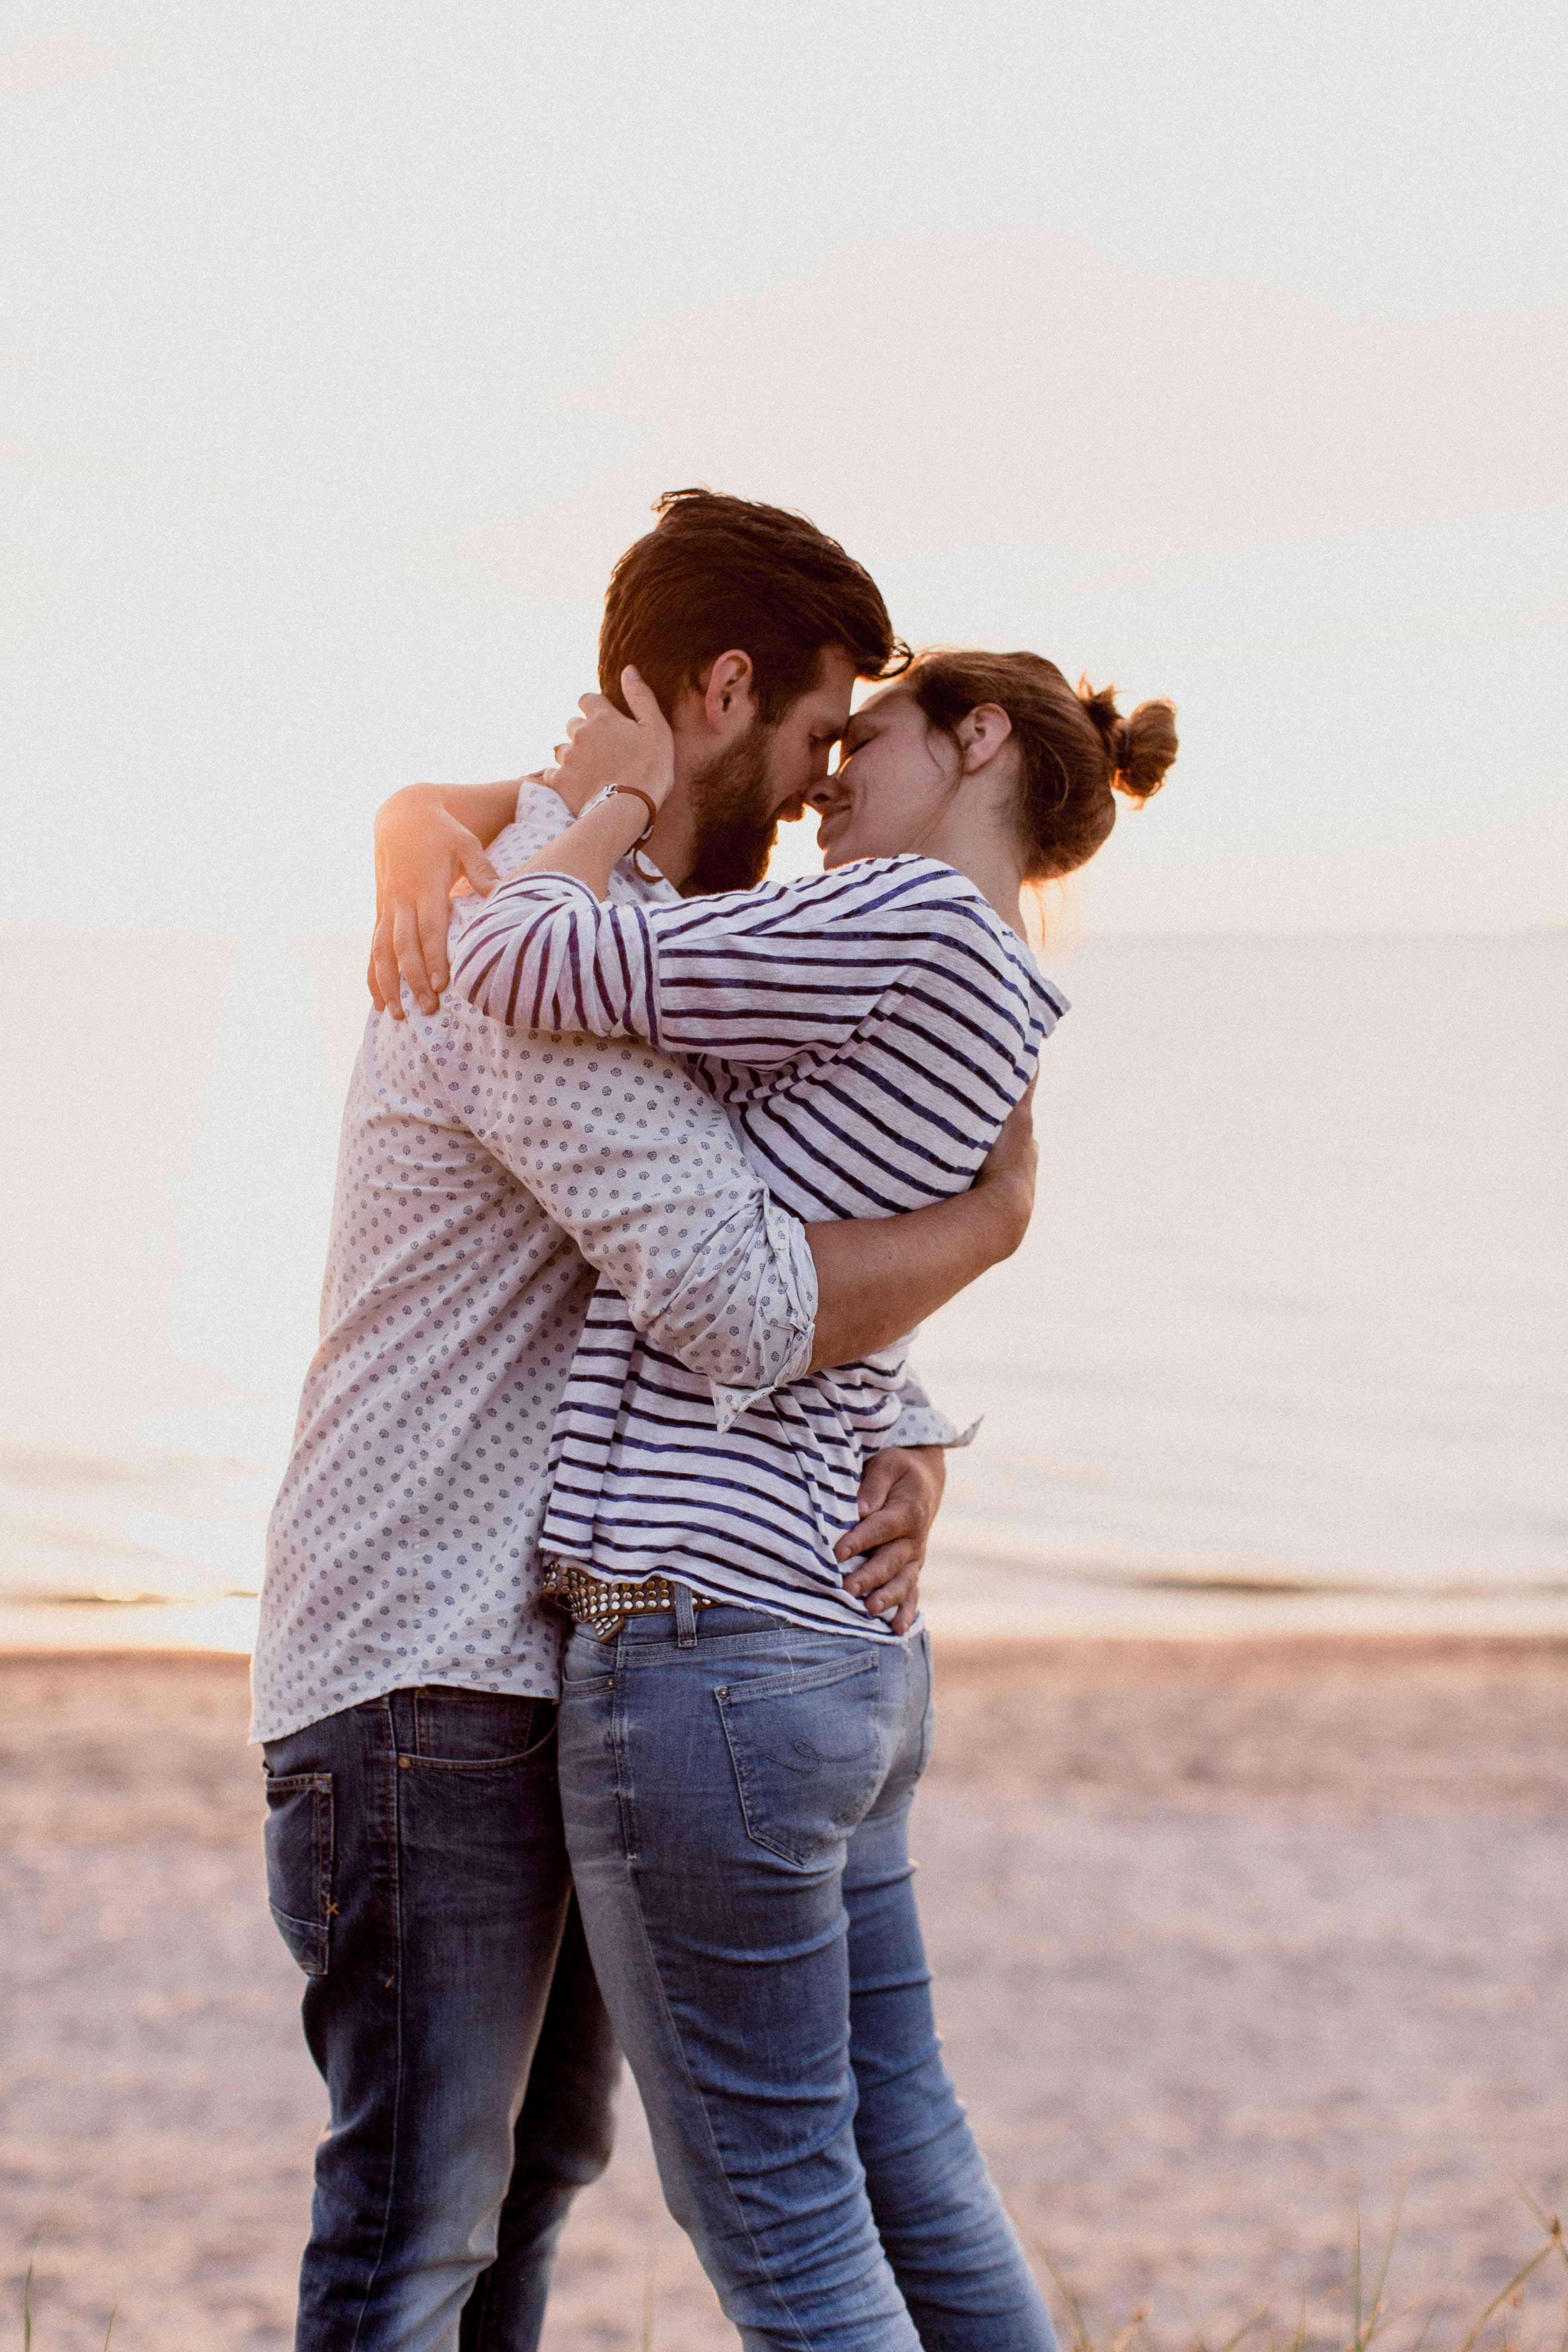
point(605, 1608)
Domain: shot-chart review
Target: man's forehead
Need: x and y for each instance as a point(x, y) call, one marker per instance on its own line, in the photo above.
point(828, 700)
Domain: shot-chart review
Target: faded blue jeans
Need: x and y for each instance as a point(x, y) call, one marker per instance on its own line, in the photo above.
point(418, 1872)
point(737, 1794)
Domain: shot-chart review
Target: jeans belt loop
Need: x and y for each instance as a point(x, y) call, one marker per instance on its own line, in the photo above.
point(684, 1618)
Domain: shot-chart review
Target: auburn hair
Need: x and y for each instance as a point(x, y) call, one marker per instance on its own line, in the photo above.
point(717, 572)
point(1077, 750)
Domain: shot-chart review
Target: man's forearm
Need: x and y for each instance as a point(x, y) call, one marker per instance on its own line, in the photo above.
point(878, 1276)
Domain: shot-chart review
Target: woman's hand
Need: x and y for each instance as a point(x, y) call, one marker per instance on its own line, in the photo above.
point(421, 852)
point(604, 747)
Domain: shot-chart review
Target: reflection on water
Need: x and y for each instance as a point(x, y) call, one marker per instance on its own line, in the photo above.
point(1284, 1349)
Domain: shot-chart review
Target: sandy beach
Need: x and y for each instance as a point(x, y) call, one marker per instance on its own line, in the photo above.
point(1225, 1934)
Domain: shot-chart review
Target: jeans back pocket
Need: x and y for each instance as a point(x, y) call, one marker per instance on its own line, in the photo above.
point(298, 1842)
point(809, 1754)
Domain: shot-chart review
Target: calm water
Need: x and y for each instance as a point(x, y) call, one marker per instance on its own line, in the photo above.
point(1285, 1348)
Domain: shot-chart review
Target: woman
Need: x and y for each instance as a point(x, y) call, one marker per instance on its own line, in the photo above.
point(739, 1737)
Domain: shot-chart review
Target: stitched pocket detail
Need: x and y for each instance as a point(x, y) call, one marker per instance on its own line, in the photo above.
point(807, 1751)
point(299, 1843)
point(459, 1731)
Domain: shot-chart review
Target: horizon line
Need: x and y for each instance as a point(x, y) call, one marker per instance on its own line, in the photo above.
point(1078, 934)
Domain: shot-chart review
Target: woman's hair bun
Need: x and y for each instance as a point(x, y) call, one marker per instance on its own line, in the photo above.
point(1140, 746)
point(1074, 747)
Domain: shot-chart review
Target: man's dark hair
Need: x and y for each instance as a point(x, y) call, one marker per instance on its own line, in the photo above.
point(716, 573)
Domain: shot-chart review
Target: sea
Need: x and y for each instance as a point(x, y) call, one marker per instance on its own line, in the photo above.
point(1286, 1350)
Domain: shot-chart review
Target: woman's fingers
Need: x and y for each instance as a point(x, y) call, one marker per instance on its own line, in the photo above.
point(410, 956)
point(374, 984)
point(604, 746)
point(434, 916)
point(482, 876)
point(384, 983)
point(641, 699)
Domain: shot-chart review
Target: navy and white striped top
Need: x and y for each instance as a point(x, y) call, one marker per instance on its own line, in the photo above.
point(867, 1031)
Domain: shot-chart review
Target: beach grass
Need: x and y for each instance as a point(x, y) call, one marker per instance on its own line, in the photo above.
point(1368, 2314)
point(27, 2310)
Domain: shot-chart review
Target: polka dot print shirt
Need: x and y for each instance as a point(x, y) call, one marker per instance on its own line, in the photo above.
point(483, 1176)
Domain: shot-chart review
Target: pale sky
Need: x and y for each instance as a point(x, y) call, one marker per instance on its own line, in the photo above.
point(1219, 350)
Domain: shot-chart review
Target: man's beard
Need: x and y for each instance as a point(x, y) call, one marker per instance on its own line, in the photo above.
point(736, 824)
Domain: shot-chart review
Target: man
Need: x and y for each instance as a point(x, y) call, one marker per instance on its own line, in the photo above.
point(405, 1674)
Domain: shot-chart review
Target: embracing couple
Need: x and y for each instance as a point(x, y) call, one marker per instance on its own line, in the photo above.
point(591, 1683)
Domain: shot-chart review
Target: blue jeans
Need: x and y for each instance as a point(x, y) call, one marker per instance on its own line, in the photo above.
point(418, 1872)
point(737, 1795)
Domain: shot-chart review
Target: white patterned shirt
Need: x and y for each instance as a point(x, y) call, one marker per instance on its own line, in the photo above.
point(483, 1176)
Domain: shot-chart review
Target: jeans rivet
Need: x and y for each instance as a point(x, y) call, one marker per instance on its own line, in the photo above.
point(404, 1762)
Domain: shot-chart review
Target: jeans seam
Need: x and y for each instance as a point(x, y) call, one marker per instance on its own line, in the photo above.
point(397, 1914)
point(626, 1808)
point(764, 2268)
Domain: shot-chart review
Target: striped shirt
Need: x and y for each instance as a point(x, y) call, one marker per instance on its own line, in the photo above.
point(867, 1032)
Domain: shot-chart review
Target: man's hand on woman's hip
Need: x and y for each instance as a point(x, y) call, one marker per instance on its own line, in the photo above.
point(900, 1497)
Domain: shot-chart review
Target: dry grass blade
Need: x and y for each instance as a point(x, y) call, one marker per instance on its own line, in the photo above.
point(1082, 2341)
point(1515, 2283)
point(27, 2308)
point(647, 2338)
point(109, 2330)
point(1549, 2221)
point(1245, 2329)
point(1376, 2320)
point(1133, 2327)
point(1372, 2316)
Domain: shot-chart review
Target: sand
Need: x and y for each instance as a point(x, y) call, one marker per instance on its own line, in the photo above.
point(1225, 1934)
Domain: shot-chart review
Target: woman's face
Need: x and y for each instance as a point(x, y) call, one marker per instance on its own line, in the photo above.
point(893, 783)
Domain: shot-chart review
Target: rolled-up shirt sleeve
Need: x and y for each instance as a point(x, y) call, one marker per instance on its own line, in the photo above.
point(740, 1306)
point(629, 1157)
point(919, 1423)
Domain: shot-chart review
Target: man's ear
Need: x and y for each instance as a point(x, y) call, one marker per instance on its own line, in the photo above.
point(981, 735)
point(730, 694)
